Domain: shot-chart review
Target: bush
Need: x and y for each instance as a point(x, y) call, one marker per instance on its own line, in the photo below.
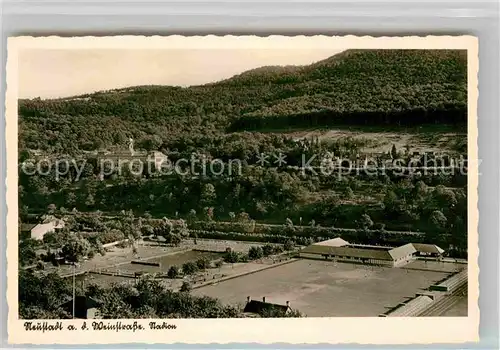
point(123, 245)
point(288, 245)
point(277, 249)
point(111, 236)
point(231, 257)
point(203, 263)
point(255, 253)
point(186, 287)
point(173, 272)
point(267, 250)
point(40, 266)
point(189, 268)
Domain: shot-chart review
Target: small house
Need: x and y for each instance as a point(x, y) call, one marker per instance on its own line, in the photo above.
point(26, 231)
point(266, 309)
point(38, 231)
point(428, 250)
point(85, 307)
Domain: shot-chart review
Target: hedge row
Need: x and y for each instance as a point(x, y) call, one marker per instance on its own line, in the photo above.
point(302, 231)
point(361, 237)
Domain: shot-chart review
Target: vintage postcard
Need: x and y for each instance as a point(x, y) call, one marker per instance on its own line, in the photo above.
point(225, 189)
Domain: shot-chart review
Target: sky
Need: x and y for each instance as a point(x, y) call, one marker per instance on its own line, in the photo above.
point(53, 73)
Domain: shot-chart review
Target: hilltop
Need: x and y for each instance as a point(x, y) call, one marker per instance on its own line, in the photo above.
point(355, 87)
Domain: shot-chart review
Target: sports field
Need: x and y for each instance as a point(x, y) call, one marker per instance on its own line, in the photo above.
point(318, 288)
point(167, 261)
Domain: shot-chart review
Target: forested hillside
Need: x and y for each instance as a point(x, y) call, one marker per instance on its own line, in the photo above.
point(376, 87)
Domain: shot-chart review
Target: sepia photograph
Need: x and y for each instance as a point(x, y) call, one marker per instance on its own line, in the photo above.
point(277, 181)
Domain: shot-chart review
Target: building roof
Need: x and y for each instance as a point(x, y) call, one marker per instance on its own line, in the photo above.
point(427, 248)
point(412, 308)
point(335, 242)
point(365, 253)
point(258, 307)
point(365, 246)
point(360, 251)
point(81, 303)
point(400, 252)
point(27, 227)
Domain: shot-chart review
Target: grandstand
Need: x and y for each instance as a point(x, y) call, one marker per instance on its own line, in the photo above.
point(339, 249)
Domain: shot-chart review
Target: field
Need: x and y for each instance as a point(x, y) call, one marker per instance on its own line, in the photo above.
point(318, 288)
point(118, 261)
point(120, 257)
point(168, 260)
point(423, 139)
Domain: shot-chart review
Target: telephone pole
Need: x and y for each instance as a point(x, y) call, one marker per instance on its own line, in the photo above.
point(74, 287)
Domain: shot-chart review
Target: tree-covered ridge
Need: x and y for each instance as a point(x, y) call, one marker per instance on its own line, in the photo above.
point(371, 87)
point(354, 87)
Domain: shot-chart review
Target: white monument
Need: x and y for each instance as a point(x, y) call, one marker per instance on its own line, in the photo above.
point(131, 146)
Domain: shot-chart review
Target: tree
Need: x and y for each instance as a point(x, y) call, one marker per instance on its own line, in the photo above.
point(459, 235)
point(173, 272)
point(147, 230)
point(231, 257)
point(75, 249)
point(51, 208)
point(243, 217)
point(185, 287)
point(189, 268)
point(164, 229)
point(394, 152)
point(88, 170)
point(181, 229)
point(391, 203)
point(175, 239)
point(348, 193)
point(255, 253)
point(191, 216)
point(71, 199)
point(210, 213)
point(365, 222)
point(90, 201)
point(421, 189)
point(208, 195)
point(27, 254)
point(203, 263)
point(444, 197)
point(379, 226)
point(57, 238)
point(289, 245)
point(288, 227)
point(150, 142)
point(267, 249)
point(438, 220)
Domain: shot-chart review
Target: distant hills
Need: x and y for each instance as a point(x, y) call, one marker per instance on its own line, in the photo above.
point(355, 87)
